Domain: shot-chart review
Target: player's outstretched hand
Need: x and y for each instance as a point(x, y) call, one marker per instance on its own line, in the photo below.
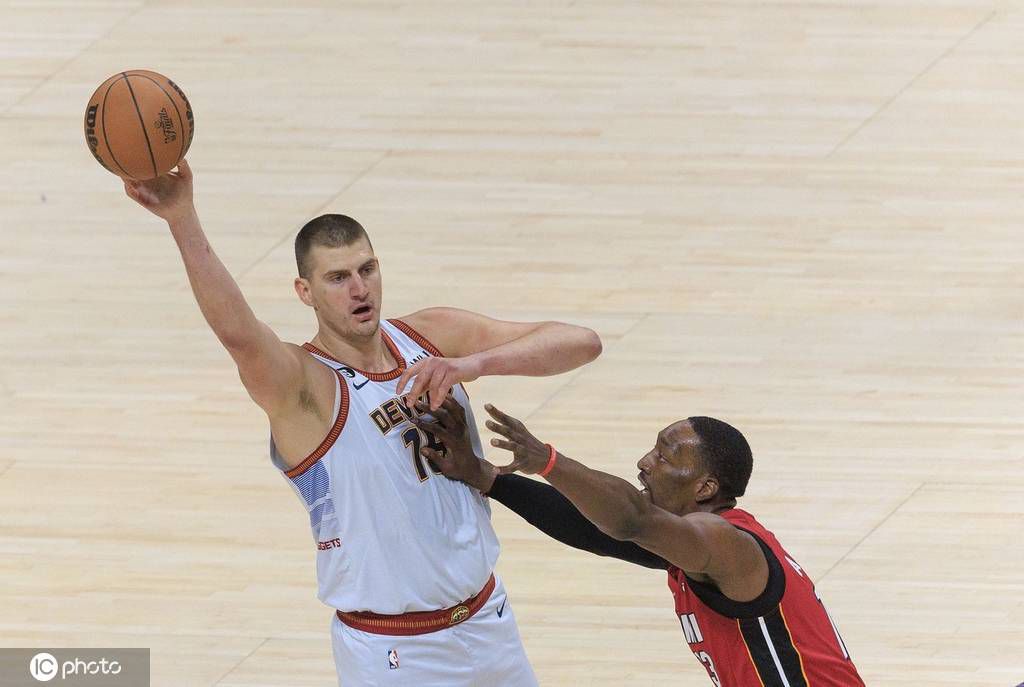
point(530, 455)
point(455, 459)
point(168, 196)
point(436, 376)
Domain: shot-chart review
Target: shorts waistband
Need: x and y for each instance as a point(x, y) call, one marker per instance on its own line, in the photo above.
point(418, 622)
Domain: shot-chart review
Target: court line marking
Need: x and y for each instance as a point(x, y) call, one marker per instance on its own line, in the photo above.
point(872, 531)
point(35, 89)
point(946, 53)
point(290, 234)
point(243, 660)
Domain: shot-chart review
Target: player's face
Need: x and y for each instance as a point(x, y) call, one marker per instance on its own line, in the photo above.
point(672, 472)
point(345, 288)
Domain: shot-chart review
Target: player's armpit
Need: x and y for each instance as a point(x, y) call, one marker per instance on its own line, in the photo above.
point(272, 371)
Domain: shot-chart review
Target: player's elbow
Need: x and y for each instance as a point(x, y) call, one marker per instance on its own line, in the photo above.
point(584, 344)
point(592, 345)
point(623, 529)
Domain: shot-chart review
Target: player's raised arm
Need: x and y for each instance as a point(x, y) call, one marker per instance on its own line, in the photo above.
point(268, 367)
point(697, 542)
point(475, 345)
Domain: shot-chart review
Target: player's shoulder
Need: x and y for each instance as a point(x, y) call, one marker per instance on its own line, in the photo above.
point(723, 528)
point(311, 366)
point(300, 352)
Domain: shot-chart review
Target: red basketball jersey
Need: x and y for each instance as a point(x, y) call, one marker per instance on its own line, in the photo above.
point(783, 638)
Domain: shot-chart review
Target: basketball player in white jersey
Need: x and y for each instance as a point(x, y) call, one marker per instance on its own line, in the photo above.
point(405, 556)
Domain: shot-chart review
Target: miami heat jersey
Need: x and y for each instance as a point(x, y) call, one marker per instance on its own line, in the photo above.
point(393, 535)
point(784, 638)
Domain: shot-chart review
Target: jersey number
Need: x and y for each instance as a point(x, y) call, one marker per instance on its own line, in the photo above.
point(704, 658)
point(414, 439)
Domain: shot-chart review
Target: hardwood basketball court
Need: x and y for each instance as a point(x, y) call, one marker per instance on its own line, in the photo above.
point(801, 217)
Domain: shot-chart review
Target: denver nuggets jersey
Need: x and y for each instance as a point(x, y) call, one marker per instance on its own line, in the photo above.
point(783, 638)
point(393, 535)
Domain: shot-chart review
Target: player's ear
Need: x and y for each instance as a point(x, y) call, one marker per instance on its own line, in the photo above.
point(303, 291)
point(707, 488)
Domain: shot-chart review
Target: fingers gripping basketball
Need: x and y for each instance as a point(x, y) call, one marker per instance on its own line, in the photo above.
point(139, 124)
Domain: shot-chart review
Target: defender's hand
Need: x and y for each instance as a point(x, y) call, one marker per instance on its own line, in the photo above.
point(437, 376)
point(530, 454)
point(168, 196)
point(457, 461)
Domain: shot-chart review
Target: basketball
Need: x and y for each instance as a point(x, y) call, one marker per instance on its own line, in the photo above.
point(139, 124)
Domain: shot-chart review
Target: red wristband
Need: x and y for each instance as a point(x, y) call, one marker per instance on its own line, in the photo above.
point(551, 461)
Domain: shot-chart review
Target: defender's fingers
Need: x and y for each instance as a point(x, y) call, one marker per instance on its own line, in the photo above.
point(454, 407)
point(431, 454)
point(442, 462)
point(444, 418)
point(510, 468)
point(423, 408)
point(500, 429)
point(500, 416)
point(501, 443)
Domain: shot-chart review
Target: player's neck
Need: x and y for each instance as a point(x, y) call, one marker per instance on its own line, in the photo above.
point(716, 506)
point(367, 353)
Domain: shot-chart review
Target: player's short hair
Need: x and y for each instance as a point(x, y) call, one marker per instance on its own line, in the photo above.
point(726, 454)
point(329, 231)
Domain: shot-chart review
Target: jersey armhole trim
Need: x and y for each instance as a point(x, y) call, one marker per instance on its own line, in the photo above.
point(332, 435)
point(418, 338)
point(771, 597)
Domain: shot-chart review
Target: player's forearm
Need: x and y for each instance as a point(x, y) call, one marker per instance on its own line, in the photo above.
point(550, 349)
point(215, 290)
point(611, 503)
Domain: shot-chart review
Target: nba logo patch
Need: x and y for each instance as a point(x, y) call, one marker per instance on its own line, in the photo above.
point(392, 659)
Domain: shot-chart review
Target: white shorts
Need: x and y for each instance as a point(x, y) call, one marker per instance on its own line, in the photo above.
point(484, 651)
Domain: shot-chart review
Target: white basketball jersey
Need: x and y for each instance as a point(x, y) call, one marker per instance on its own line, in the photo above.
point(392, 534)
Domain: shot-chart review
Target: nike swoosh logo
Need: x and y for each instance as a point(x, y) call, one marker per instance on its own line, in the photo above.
point(501, 608)
point(360, 386)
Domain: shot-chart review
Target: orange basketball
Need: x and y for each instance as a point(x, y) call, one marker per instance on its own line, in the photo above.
point(139, 124)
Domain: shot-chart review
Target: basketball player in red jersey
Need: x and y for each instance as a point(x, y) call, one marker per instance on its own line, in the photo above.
point(748, 611)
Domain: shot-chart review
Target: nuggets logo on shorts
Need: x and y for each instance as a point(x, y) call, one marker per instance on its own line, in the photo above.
point(459, 614)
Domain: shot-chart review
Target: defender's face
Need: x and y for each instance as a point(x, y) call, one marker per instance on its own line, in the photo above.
point(344, 288)
point(672, 472)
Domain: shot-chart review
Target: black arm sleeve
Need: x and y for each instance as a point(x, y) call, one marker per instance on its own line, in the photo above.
point(546, 509)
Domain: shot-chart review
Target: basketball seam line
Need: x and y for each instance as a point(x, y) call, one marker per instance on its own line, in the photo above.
point(181, 121)
point(142, 123)
point(103, 121)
